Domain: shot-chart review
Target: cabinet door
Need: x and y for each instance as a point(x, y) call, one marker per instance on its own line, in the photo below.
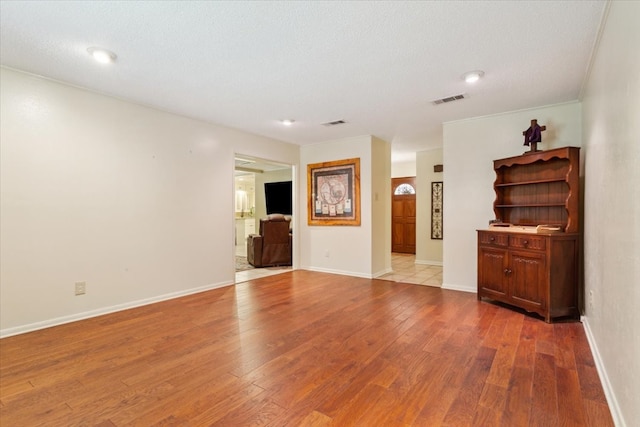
point(492, 264)
point(249, 227)
point(528, 279)
point(240, 237)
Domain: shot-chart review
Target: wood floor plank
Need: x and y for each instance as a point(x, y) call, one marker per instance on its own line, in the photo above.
point(570, 412)
point(545, 338)
point(305, 348)
point(500, 374)
point(418, 392)
point(494, 397)
point(379, 413)
point(258, 411)
point(349, 387)
point(316, 419)
point(386, 376)
point(565, 335)
point(541, 418)
point(433, 414)
point(463, 409)
point(597, 414)
point(484, 416)
point(493, 337)
point(518, 406)
point(327, 390)
point(590, 384)
point(544, 392)
point(526, 351)
point(12, 388)
point(353, 410)
point(206, 406)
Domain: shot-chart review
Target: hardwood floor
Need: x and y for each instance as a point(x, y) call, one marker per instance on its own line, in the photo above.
point(305, 349)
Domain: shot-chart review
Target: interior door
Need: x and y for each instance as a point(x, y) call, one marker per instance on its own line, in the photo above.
point(403, 215)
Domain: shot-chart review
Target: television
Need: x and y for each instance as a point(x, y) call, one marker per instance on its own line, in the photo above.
point(278, 197)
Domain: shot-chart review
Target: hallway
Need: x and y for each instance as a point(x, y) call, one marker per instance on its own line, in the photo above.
point(255, 273)
point(404, 270)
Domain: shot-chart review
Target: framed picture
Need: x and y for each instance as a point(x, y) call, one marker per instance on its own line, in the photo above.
point(436, 210)
point(333, 189)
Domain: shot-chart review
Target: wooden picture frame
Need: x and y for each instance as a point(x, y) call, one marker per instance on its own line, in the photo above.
point(333, 192)
point(436, 210)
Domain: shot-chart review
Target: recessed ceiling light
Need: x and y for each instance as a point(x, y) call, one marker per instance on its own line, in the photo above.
point(473, 76)
point(287, 122)
point(101, 55)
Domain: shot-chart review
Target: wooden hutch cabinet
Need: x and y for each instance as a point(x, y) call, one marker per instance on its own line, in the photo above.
point(530, 259)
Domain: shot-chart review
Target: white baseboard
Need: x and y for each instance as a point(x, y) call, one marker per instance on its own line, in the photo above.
point(616, 414)
point(382, 273)
point(342, 272)
point(459, 288)
point(105, 310)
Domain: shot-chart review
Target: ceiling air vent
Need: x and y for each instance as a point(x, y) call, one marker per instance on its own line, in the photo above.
point(449, 99)
point(334, 123)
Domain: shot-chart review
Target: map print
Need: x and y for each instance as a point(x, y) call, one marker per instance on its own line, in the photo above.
point(334, 192)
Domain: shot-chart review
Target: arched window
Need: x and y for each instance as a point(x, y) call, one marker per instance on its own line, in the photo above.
point(404, 189)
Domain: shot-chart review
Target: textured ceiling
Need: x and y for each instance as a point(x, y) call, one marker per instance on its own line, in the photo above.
point(376, 65)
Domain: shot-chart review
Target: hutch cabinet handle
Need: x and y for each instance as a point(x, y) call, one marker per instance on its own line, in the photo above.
point(507, 271)
point(525, 242)
point(492, 239)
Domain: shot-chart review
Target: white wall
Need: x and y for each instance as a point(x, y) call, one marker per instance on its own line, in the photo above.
point(469, 148)
point(349, 248)
point(611, 123)
point(380, 207)
point(403, 169)
point(428, 251)
point(131, 200)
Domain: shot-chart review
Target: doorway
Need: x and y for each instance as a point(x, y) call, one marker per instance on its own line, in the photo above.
point(251, 175)
point(403, 215)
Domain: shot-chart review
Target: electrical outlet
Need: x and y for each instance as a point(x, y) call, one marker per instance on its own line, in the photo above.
point(326, 253)
point(81, 288)
point(591, 299)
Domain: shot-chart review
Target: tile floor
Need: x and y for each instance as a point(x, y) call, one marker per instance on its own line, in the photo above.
point(404, 270)
point(255, 273)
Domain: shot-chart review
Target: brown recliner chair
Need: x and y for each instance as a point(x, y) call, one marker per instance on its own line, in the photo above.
point(273, 245)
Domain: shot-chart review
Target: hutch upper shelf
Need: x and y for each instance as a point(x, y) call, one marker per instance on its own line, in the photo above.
point(539, 188)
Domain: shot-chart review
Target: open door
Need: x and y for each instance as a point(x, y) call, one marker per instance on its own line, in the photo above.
point(403, 215)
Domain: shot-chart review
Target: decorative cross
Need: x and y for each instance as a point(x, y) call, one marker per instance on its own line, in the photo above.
point(533, 135)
